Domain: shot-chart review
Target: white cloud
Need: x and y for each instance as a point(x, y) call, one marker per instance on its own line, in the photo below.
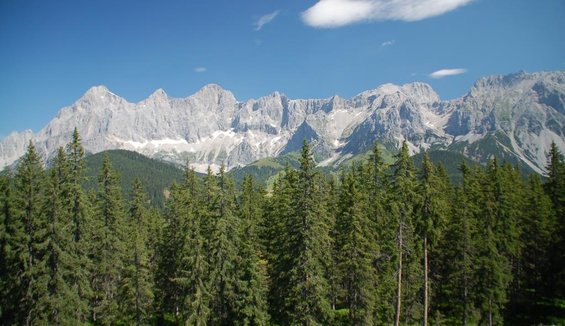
point(200, 69)
point(447, 72)
point(388, 43)
point(265, 19)
point(337, 13)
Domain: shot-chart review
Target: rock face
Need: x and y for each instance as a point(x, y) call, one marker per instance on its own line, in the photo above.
point(520, 114)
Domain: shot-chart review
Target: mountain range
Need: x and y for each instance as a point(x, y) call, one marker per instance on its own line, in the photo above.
point(515, 117)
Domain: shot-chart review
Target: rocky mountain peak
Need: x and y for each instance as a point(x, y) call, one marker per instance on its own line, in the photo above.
point(157, 99)
point(420, 92)
point(213, 94)
point(158, 94)
point(98, 95)
point(211, 89)
point(525, 111)
point(97, 90)
point(500, 82)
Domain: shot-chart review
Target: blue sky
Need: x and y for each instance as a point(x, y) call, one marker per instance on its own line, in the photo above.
point(52, 51)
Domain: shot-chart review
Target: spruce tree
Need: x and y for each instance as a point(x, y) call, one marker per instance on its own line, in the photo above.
point(26, 234)
point(76, 205)
point(532, 278)
point(58, 301)
point(194, 269)
point(8, 266)
point(433, 209)
point(280, 244)
point(309, 236)
point(375, 182)
point(251, 287)
point(356, 250)
point(74, 192)
point(555, 188)
point(108, 247)
point(456, 284)
point(497, 242)
point(223, 244)
point(332, 207)
point(136, 297)
point(555, 185)
point(404, 189)
point(168, 293)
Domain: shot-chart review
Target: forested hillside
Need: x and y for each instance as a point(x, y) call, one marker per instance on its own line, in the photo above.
point(377, 245)
point(155, 176)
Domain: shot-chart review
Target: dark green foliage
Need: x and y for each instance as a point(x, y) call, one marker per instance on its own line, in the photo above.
point(108, 249)
point(456, 281)
point(555, 188)
point(299, 247)
point(450, 161)
point(170, 255)
point(8, 267)
point(532, 277)
point(433, 209)
point(27, 236)
point(356, 251)
point(251, 287)
point(377, 246)
point(194, 265)
point(76, 205)
point(59, 301)
point(137, 285)
point(280, 244)
point(406, 197)
point(155, 176)
point(376, 183)
point(223, 245)
point(309, 227)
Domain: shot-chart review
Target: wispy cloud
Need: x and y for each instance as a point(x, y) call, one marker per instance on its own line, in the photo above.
point(200, 69)
point(388, 43)
point(265, 19)
point(447, 72)
point(337, 13)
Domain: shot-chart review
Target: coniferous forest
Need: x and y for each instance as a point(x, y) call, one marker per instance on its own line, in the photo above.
point(376, 245)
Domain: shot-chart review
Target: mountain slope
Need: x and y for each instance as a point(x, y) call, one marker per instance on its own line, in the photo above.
point(156, 176)
point(516, 116)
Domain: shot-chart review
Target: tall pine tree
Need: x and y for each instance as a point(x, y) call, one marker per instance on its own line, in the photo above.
point(404, 189)
point(76, 204)
point(308, 233)
point(223, 244)
point(108, 247)
point(433, 209)
point(137, 290)
point(59, 302)
point(356, 250)
point(8, 261)
point(168, 291)
point(27, 232)
point(251, 287)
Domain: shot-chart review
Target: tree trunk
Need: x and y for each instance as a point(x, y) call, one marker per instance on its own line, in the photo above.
point(426, 283)
point(490, 312)
point(399, 271)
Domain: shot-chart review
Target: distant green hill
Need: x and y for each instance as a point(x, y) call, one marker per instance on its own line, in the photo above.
point(155, 175)
point(266, 170)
